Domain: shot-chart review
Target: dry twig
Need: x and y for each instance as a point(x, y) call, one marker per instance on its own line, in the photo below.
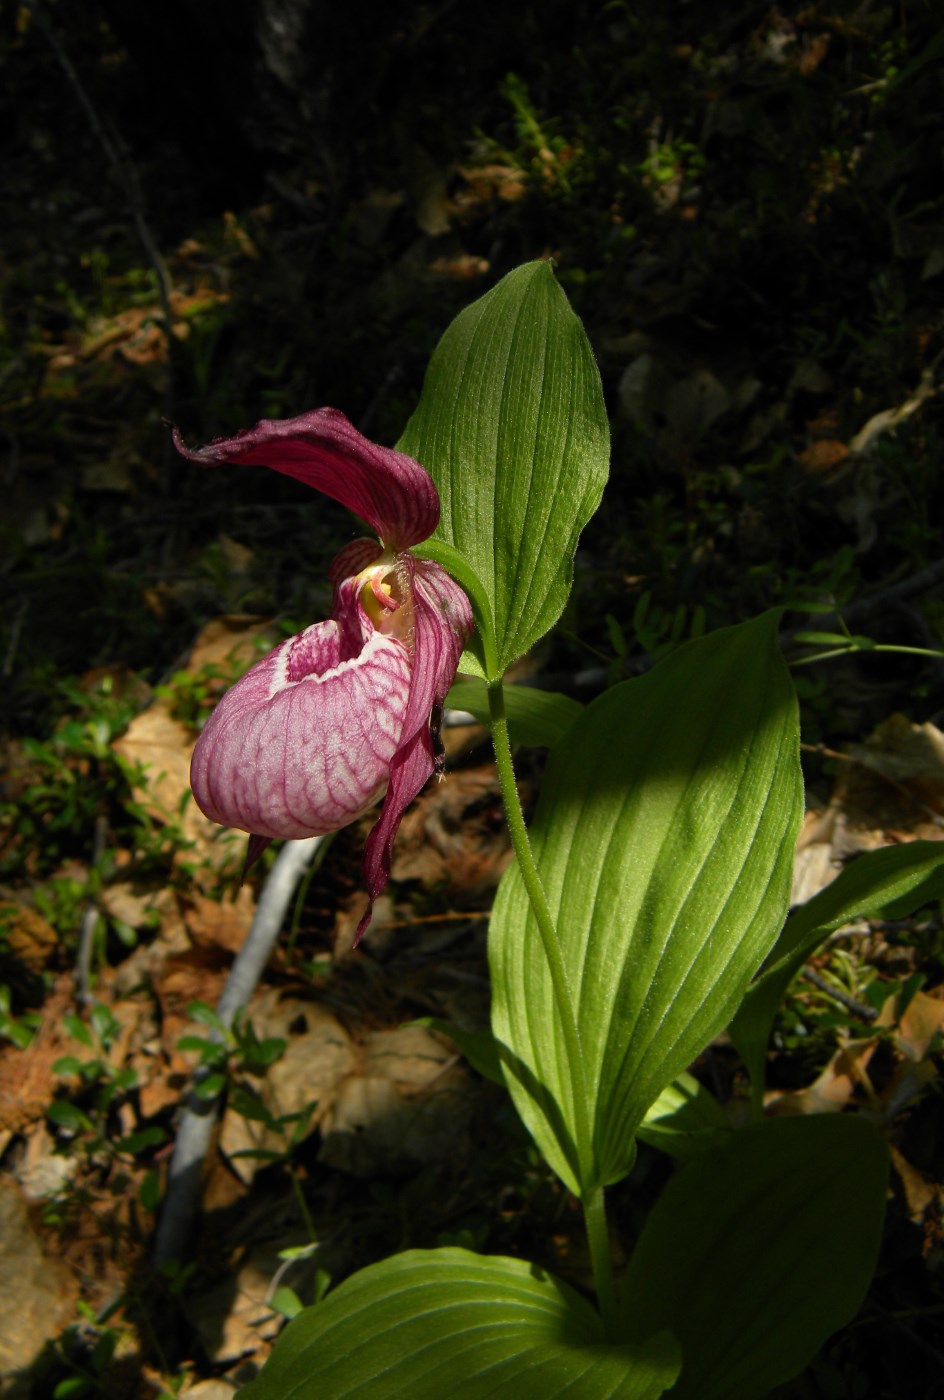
point(199, 1115)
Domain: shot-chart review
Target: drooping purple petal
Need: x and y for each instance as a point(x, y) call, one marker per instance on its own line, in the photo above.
point(392, 492)
point(442, 626)
point(303, 743)
point(257, 845)
point(409, 773)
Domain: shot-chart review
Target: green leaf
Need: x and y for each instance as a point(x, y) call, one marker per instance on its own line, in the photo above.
point(104, 1024)
point(478, 1047)
point(535, 717)
point(149, 1192)
point(211, 1087)
point(267, 1051)
point(66, 1115)
point(299, 1251)
point(21, 1036)
point(78, 1029)
point(684, 1120)
point(841, 639)
point(127, 934)
point(664, 838)
point(68, 1064)
point(72, 1388)
point(512, 427)
point(889, 883)
point(321, 1285)
point(286, 1301)
point(432, 1323)
point(249, 1105)
point(758, 1250)
point(137, 1142)
point(616, 634)
point(199, 1011)
point(207, 1049)
point(104, 1351)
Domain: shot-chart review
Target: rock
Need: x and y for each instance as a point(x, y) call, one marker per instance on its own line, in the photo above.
point(37, 1294)
point(209, 1390)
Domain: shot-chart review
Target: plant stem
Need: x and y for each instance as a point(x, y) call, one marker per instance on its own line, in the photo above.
point(302, 1205)
point(591, 1192)
point(594, 1219)
point(560, 980)
point(866, 651)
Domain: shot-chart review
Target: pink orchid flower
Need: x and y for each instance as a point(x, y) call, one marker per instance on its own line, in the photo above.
point(348, 711)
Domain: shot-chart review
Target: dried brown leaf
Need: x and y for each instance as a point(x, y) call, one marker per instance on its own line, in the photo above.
point(29, 937)
point(824, 455)
point(833, 1089)
point(318, 1056)
point(920, 1193)
point(221, 923)
point(413, 1104)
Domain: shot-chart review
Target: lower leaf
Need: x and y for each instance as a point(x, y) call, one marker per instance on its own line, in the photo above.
point(446, 1322)
point(759, 1250)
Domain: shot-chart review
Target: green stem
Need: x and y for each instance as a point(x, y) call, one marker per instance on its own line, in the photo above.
point(563, 994)
point(302, 1205)
point(594, 1219)
point(865, 651)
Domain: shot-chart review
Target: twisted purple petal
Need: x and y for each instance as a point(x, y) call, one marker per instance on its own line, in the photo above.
point(392, 492)
point(441, 627)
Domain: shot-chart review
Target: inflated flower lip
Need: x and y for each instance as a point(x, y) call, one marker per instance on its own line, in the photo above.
point(347, 711)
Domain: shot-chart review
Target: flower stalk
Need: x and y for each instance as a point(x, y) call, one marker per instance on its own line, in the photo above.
point(592, 1192)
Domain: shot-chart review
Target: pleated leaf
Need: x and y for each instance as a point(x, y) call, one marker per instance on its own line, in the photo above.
point(758, 1250)
point(890, 883)
point(664, 837)
point(512, 427)
point(445, 1322)
point(685, 1119)
point(537, 717)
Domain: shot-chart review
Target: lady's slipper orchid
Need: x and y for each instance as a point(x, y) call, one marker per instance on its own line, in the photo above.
point(348, 711)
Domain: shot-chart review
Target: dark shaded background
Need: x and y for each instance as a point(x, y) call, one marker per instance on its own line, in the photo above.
point(744, 207)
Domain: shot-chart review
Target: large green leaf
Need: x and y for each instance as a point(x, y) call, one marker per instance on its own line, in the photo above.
point(758, 1250)
point(889, 883)
point(445, 1322)
point(512, 427)
point(664, 838)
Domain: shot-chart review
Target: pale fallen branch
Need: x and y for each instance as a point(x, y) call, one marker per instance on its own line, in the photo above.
point(199, 1115)
point(89, 924)
point(889, 418)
